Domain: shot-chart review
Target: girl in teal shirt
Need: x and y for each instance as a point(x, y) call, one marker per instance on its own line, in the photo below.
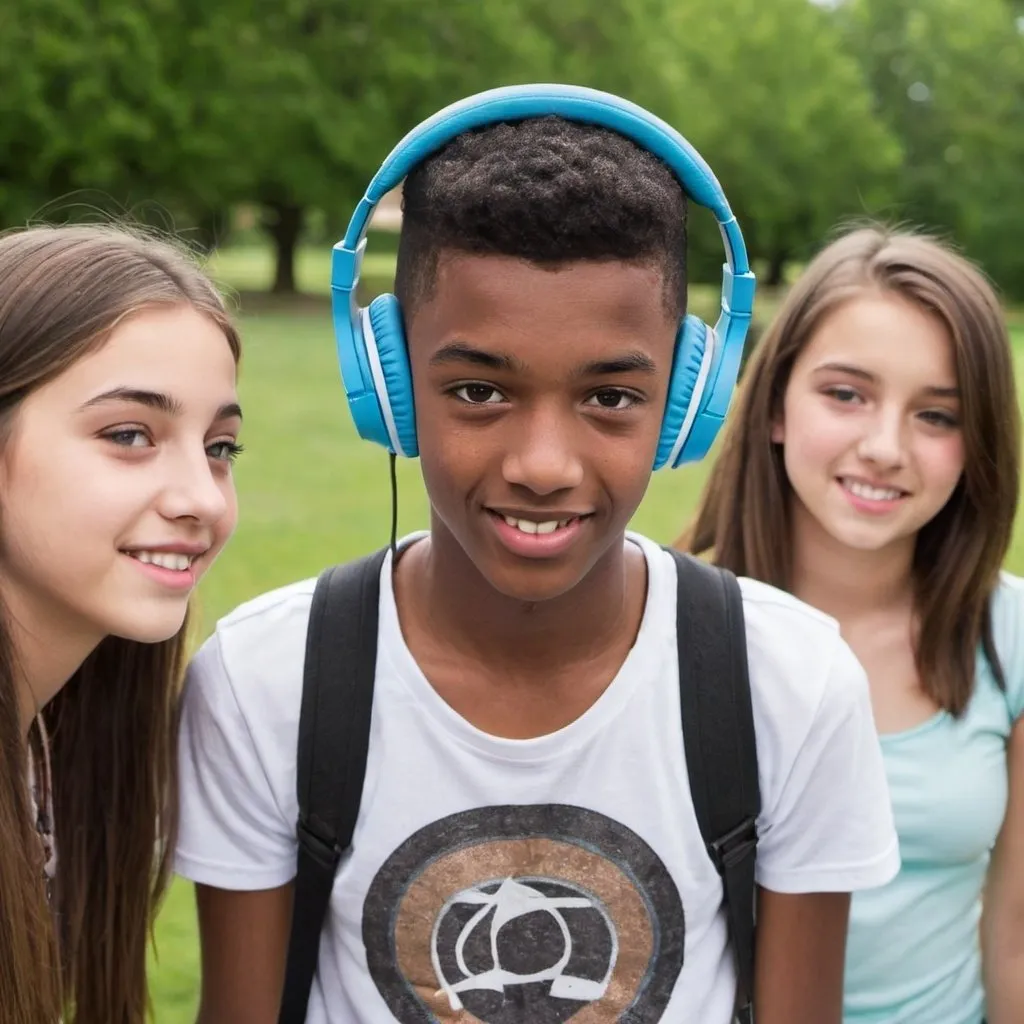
point(871, 467)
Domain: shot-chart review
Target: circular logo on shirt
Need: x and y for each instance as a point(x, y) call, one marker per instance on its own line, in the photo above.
point(541, 913)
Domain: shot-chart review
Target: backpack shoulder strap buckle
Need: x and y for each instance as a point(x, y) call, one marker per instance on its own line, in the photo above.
point(732, 848)
point(322, 850)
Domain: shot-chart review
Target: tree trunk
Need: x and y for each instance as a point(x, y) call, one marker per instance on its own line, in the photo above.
point(776, 269)
point(284, 225)
point(212, 229)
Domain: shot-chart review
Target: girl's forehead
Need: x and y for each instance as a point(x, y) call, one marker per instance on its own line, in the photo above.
point(883, 335)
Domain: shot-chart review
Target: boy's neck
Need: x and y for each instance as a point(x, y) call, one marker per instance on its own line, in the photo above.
point(443, 590)
point(847, 582)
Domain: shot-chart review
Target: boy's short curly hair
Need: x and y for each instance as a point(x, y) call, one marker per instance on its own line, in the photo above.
point(547, 190)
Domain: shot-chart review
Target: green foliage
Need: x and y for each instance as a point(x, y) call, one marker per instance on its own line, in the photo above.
point(781, 111)
point(948, 79)
point(127, 103)
point(809, 113)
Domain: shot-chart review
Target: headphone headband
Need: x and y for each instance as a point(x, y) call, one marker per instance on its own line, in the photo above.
point(575, 103)
point(371, 348)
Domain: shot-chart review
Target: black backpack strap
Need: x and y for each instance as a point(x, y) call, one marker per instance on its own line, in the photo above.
point(334, 738)
point(721, 755)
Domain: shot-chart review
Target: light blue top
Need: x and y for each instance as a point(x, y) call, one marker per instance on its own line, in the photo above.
point(913, 953)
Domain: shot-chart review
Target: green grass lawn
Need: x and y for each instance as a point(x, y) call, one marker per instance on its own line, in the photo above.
point(311, 493)
point(251, 268)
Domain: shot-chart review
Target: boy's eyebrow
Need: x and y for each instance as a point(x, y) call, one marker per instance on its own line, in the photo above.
point(158, 400)
point(631, 362)
point(460, 352)
point(856, 371)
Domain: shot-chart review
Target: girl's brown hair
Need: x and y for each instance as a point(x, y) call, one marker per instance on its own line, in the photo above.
point(743, 518)
point(62, 290)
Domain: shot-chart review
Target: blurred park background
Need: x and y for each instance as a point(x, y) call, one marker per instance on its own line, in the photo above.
point(250, 129)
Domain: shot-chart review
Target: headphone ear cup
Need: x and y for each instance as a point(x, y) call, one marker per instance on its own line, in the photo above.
point(691, 343)
point(384, 319)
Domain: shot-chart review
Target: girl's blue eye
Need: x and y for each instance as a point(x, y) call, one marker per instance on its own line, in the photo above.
point(129, 438)
point(225, 451)
point(843, 394)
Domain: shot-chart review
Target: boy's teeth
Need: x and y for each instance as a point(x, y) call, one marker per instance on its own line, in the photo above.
point(871, 493)
point(529, 526)
point(165, 559)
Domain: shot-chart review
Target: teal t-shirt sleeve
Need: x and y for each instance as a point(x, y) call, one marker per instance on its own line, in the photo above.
point(1008, 636)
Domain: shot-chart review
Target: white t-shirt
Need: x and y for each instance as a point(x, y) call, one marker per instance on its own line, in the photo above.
point(530, 880)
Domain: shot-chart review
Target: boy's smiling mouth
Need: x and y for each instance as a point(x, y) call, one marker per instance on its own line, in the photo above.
point(531, 526)
point(533, 536)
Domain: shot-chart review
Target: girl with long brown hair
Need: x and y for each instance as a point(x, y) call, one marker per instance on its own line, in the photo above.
point(118, 425)
point(871, 467)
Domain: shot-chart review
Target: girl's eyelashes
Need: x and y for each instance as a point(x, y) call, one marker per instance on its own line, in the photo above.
point(842, 393)
point(940, 418)
point(128, 437)
point(226, 450)
point(846, 395)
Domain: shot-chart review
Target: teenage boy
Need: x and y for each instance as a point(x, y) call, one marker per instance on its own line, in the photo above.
point(527, 848)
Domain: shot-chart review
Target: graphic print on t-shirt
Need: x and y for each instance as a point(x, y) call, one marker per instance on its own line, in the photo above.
point(543, 913)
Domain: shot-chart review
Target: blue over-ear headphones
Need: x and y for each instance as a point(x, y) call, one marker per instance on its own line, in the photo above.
point(371, 342)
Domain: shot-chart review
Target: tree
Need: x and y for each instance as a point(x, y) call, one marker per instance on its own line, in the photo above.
point(948, 78)
point(116, 106)
point(324, 89)
point(782, 113)
point(292, 104)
